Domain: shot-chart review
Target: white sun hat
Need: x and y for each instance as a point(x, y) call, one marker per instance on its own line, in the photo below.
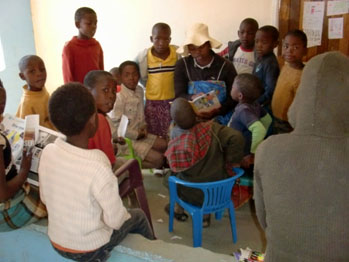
point(197, 35)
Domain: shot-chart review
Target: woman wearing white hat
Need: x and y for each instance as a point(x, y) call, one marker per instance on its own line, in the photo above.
point(203, 71)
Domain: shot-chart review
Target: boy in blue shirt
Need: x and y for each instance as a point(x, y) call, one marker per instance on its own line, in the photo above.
point(267, 67)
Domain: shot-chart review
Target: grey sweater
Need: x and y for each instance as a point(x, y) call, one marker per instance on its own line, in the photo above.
point(301, 178)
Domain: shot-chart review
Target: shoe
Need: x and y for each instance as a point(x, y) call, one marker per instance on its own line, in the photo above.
point(182, 217)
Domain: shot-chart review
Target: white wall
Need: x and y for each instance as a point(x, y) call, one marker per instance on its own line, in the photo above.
point(124, 26)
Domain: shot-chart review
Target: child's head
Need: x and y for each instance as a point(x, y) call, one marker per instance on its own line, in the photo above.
point(246, 88)
point(86, 22)
point(247, 32)
point(182, 113)
point(116, 74)
point(267, 38)
point(32, 70)
point(161, 38)
point(101, 84)
point(294, 47)
point(129, 74)
point(2, 99)
point(72, 109)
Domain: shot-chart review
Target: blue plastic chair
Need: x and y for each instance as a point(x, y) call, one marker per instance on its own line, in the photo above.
point(217, 197)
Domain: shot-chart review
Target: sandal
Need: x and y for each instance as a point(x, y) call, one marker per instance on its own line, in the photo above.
point(182, 217)
point(206, 222)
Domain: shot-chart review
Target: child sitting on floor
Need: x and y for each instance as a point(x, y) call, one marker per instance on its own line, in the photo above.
point(249, 117)
point(35, 96)
point(101, 84)
point(130, 102)
point(19, 202)
point(240, 52)
point(200, 152)
point(86, 217)
point(294, 48)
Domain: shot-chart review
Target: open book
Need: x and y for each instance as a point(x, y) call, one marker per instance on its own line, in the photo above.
point(206, 102)
point(19, 134)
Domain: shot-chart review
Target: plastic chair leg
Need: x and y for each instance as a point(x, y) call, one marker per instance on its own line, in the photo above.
point(197, 229)
point(233, 223)
point(219, 215)
point(170, 220)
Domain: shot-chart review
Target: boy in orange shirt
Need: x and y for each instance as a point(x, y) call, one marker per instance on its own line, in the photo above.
point(294, 48)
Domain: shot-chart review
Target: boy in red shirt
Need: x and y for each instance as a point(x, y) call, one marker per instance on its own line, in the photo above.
point(82, 53)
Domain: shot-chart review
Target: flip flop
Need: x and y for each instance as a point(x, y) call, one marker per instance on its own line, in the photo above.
point(182, 217)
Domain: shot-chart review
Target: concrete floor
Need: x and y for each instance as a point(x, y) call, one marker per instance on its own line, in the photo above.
point(217, 237)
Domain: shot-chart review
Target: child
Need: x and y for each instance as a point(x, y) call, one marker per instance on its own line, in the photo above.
point(35, 96)
point(19, 202)
point(249, 117)
point(266, 67)
point(200, 152)
point(116, 74)
point(240, 52)
point(157, 65)
point(101, 84)
point(83, 53)
point(148, 147)
point(294, 48)
point(86, 217)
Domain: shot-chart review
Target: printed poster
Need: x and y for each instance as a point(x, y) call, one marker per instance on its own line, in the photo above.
point(313, 18)
point(338, 7)
point(335, 28)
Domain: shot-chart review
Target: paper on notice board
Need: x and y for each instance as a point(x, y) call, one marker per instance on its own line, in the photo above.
point(338, 7)
point(313, 18)
point(335, 28)
point(123, 126)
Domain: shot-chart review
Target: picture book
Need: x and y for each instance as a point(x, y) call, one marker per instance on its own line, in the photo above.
point(205, 102)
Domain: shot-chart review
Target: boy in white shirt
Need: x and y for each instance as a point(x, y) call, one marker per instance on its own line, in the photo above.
point(86, 216)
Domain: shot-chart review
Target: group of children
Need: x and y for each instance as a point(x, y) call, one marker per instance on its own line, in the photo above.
point(89, 113)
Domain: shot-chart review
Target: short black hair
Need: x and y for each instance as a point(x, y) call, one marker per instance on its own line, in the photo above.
point(92, 77)
point(299, 34)
point(79, 14)
point(250, 21)
point(70, 107)
point(114, 70)
point(128, 63)
point(25, 60)
point(182, 113)
point(160, 26)
point(270, 30)
point(250, 86)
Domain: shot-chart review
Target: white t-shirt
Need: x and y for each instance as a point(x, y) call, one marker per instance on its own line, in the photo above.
point(243, 60)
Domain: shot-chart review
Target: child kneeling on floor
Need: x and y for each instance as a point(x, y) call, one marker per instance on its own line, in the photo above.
point(86, 217)
point(200, 152)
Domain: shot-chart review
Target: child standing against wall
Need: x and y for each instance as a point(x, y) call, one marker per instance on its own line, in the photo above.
point(150, 148)
point(294, 48)
point(240, 52)
point(266, 67)
point(157, 65)
point(86, 216)
point(83, 53)
point(35, 96)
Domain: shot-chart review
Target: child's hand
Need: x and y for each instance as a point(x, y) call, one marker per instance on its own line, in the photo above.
point(196, 95)
point(26, 160)
point(247, 161)
point(120, 140)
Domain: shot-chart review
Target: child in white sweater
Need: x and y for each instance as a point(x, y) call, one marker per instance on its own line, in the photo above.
point(86, 216)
